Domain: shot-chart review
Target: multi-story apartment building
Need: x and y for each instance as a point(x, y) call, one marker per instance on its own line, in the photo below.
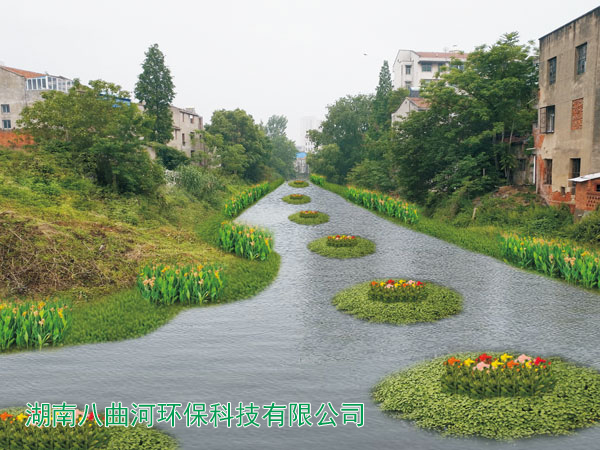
point(187, 125)
point(568, 129)
point(20, 88)
point(414, 69)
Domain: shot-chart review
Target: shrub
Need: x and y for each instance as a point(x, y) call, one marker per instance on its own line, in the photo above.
point(201, 183)
point(296, 199)
point(436, 303)
point(417, 394)
point(240, 202)
point(397, 291)
point(587, 229)
point(28, 325)
point(186, 284)
point(361, 247)
point(298, 183)
point(245, 241)
point(309, 219)
point(341, 241)
point(502, 376)
point(385, 204)
point(170, 157)
point(553, 258)
point(317, 179)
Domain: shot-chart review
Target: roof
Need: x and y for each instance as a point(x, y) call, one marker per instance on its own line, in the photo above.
point(589, 177)
point(23, 73)
point(301, 155)
point(593, 11)
point(442, 55)
point(421, 103)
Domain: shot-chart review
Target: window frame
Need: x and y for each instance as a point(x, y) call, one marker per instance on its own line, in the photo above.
point(426, 64)
point(5, 108)
point(552, 63)
point(6, 121)
point(547, 173)
point(408, 69)
point(580, 63)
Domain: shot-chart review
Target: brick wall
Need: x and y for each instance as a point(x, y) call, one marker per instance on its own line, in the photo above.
point(577, 114)
point(14, 140)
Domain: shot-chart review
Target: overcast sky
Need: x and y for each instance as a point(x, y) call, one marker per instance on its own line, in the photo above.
point(290, 57)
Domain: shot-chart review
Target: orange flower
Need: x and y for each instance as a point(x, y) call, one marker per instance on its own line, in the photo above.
point(453, 361)
point(5, 416)
point(511, 364)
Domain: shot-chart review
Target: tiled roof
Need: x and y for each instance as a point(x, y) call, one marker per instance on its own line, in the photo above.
point(23, 73)
point(421, 103)
point(442, 55)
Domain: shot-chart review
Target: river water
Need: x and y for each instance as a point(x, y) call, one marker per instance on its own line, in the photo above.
point(290, 345)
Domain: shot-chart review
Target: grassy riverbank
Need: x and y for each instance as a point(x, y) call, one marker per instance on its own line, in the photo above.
point(63, 237)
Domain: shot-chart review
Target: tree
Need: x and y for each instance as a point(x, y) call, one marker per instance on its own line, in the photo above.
point(98, 131)
point(381, 117)
point(283, 149)
point(155, 90)
point(241, 144)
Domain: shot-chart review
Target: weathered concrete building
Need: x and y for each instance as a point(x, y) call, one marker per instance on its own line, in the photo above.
point(18, 89)
point(567, 136)
point(187, 126)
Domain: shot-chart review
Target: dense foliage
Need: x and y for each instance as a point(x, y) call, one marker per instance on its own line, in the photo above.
point(317, 179)
point(436, 303)
point(283, 152)
point(241, 201)
point(245, 241)
point(390, 206)
point(417, 394)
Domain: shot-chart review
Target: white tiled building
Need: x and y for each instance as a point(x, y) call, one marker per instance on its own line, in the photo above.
point(413, 69)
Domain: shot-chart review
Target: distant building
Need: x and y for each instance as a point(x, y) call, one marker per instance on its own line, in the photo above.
point(415, 69)
point(567, 135)
point(187, 125)
point(20, 88)
point(300, 164)
point(308, 123)
point(409, 105)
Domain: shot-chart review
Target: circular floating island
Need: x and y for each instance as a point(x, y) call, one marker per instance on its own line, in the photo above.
point(296, 199)
point(496, 396)
point(342, 246)
point(298, 183)
point(309, 217)
point(398, 301)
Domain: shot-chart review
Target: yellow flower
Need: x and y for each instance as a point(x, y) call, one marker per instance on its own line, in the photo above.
point(496, 363)
point(24, 313)
point(21, 417)
point(468, 362)
point(529, 364)
point(505, 357)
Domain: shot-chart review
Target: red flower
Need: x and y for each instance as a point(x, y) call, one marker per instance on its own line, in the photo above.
point(390, 281)
point(484, 357)
point(538, 361)
point(352, 237)
point(90, 416)
point(419, 283)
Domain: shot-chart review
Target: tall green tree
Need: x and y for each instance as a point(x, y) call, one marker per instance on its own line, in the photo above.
point(381, 116)
point(283, 149)
point(242, 145)
point(156, 91)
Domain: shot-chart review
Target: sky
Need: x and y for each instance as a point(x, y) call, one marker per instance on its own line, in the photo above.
point(287, 57)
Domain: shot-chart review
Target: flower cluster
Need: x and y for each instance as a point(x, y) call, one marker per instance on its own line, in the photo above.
point(298, 183)
point(30, 324)
point(297, 196)
point(554, 258)
point(342, 240)
point(237, 204)
point(390, 206)
point(488, 376)
point(309, 214)
point(317, 179)
point(187, 284)
point(245, 241)
point(391, 291)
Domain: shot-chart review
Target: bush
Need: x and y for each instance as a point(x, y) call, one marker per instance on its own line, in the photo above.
point(201, 183)
point(317, 179)
point(296, 199)
point(417, 394)
point(317, 219)
point(385, 204)
point(140, 437)
point(245, 241)
point(587, 229)
point(28, 325)
point(437, 302)
point(361, 248)
point(170, 157)
point(183, 284)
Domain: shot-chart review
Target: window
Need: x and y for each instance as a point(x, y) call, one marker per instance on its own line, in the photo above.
point(598, 188)
point(408, 70)
point(407, 85)
point(575, 167)
point(581, 54)
point(191, 119)
point(6, 124)
point(547, 171)
point(5, 108)
point(552, 70)
point(426, 67)
point(183, 138)
point(547, 119)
